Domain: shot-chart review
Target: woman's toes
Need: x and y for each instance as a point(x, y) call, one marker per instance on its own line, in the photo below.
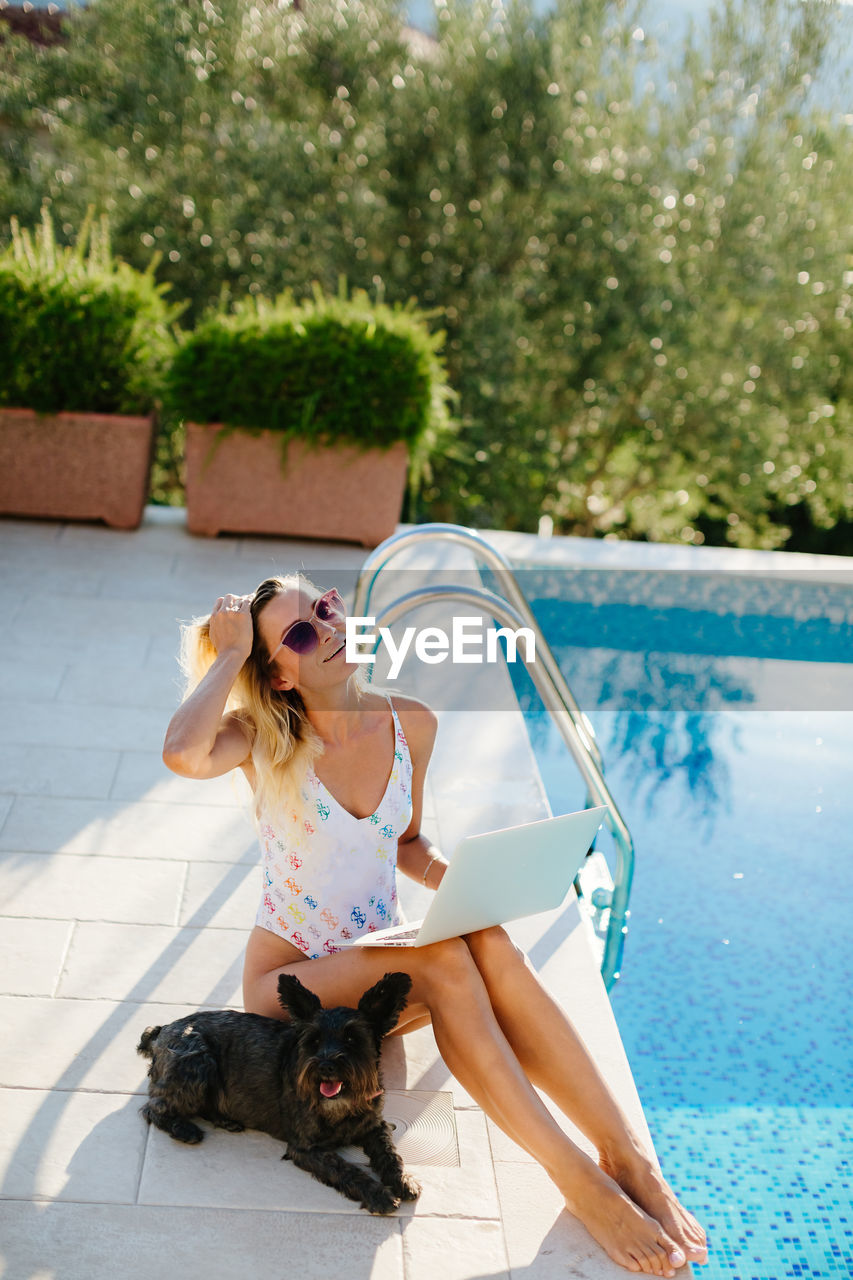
point(658, 1265)
point(697, 1248)
point(654, 1260)
point(673, 1254)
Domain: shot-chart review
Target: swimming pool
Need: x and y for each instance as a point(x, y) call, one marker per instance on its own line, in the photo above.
point(723, 705)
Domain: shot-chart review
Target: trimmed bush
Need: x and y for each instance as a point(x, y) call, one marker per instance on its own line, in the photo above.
point(82, 330)
point(328, 370)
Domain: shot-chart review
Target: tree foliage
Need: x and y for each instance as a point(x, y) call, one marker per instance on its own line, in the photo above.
point(644, 274)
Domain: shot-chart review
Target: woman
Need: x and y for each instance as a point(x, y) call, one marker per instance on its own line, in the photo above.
point(337, 772)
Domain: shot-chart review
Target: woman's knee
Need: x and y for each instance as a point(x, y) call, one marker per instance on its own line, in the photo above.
point(493, 950)
point(259, 996)
point(445, 966)
point(260, 993)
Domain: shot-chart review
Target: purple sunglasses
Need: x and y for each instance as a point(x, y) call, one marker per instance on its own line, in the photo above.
point(302, 636)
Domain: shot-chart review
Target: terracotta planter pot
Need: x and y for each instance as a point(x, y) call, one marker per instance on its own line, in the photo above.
point(239, 484)
point(75, 466)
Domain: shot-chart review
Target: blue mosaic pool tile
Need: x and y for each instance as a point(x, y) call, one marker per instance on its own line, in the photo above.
point(825, 598)
point(697, 641)
point(770, 1185)
point(734, 1002)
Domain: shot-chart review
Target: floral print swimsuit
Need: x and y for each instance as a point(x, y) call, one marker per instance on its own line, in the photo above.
point(329, 876)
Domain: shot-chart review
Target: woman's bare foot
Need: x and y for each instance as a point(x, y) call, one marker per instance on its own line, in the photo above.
point(643, 1182)
point(626, 1233)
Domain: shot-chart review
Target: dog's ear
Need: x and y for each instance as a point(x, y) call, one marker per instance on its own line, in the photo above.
point(383, 1003)
point(295, 999)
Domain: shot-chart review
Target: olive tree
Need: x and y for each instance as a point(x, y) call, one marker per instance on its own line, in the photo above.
point(642, 269)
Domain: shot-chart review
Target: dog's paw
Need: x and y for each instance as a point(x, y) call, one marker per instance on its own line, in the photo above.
point(408, 1188)
point(185, 1131)
point(379, 1199)
point(231, 1126)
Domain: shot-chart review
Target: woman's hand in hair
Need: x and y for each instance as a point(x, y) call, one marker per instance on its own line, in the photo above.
point(231, 626)
point(201, 740)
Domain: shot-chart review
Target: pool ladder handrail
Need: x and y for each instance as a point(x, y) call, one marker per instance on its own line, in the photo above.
point(575, 729)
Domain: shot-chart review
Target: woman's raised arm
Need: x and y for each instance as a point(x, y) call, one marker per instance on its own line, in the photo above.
point(201, 741)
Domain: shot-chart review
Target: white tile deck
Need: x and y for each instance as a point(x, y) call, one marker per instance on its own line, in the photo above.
point(70, 1146)
point(142, 828)
point(126, 896)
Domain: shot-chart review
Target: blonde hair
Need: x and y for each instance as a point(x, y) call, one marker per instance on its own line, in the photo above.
point(284, 744)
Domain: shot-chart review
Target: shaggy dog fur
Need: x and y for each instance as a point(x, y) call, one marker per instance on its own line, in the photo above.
point(312, 1082)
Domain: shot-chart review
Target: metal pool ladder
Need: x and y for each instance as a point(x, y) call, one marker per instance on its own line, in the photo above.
point(603, 898)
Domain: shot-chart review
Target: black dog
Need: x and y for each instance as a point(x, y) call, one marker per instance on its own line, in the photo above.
point(313, 1082)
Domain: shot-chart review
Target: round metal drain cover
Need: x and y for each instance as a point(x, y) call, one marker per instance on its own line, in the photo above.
point(423, 1126)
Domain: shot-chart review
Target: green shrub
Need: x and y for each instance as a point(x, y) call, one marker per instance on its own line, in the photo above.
point(82, 330)
point(327, 369)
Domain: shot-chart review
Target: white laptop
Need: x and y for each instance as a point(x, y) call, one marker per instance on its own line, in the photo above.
point(500, 876)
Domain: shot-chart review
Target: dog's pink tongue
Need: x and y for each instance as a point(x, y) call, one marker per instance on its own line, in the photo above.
point(330, 1088)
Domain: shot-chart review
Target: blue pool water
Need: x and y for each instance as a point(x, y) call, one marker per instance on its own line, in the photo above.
point(725, 717)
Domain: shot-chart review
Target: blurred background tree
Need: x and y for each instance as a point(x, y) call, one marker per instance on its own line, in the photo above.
point(644, 270)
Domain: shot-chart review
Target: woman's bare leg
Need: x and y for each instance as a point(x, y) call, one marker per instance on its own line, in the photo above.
point(446, 982)
point(555, 1058)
